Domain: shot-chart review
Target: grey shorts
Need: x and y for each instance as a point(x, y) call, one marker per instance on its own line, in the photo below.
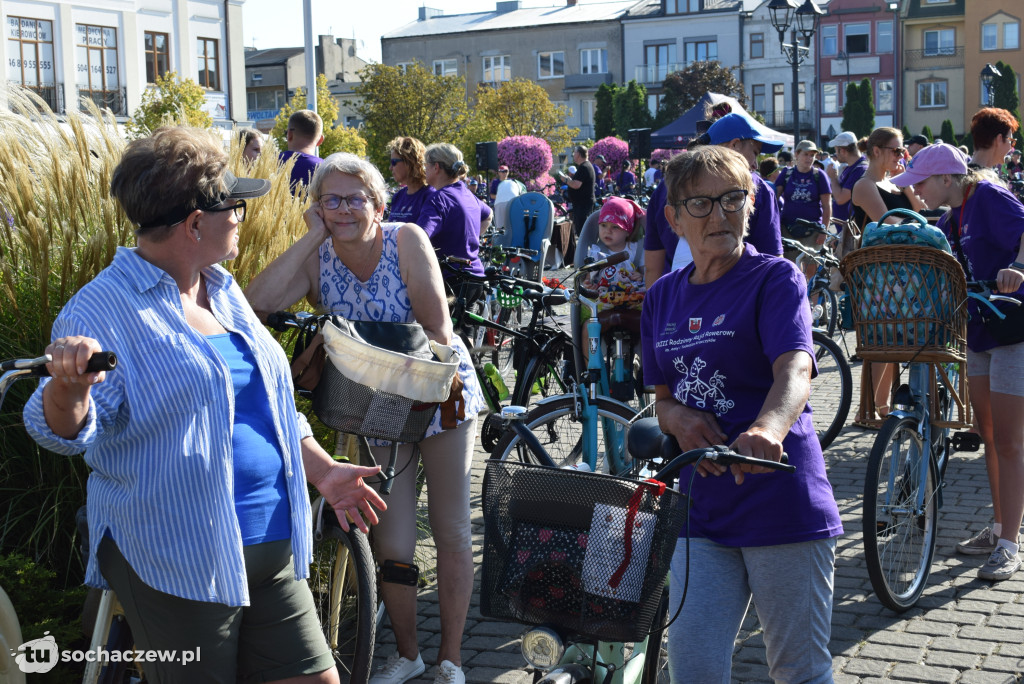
point(1004, 367)
point(276, 637)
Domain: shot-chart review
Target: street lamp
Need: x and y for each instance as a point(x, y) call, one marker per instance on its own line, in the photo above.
point(988, 76)
point(806, 15)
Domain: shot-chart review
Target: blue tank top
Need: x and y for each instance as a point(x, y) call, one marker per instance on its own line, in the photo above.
point(261, 497)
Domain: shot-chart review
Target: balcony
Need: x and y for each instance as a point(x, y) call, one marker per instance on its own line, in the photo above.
point(114, 100)
point(934, 58)
point(783, 120)
point(586, 81)
point(586, 132)
point(655, 74)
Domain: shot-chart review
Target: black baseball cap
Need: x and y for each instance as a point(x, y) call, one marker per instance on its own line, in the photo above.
point(918, 140)
point(234, 188)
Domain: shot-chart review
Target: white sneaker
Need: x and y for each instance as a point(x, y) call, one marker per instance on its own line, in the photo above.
point(398, 670)
point(1000, 565)
point(449, 673)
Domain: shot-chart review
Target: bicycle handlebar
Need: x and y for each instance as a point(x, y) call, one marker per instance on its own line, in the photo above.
point(813, 225)
point(100, 361)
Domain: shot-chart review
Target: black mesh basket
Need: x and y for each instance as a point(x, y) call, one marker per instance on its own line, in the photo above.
point(342, 404)
point(555, 551)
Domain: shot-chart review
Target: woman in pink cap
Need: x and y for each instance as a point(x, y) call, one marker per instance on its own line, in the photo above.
point(985, 227)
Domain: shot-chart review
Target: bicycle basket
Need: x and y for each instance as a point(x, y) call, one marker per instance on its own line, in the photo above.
point(555, 551)
point(368, 390)
point(907, 303)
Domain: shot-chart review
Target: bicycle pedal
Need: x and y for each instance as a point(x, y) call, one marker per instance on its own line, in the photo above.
point(965, 441)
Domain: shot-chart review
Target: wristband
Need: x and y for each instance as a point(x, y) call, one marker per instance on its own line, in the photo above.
point(1017, 265)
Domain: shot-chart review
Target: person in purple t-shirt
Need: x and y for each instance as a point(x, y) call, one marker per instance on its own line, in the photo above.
point(305, 134)
point(407, 169)
point(805, 193)
point(451, 217)
point(985, 226)
point(727, 345)
point(847, 151)
point(502, 176)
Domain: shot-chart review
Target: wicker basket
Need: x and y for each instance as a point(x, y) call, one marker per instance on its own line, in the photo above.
point(908, 304)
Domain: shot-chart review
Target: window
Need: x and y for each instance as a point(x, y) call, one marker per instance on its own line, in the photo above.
point(830, 40)
point(653, 102)
point(884, 98)
point(829, 98)
point(446, 67)
point(883, 41)
point(757, 94)
point(550, 65)
point(156, 46)
point(657, 59)
point(587, 112)
point(497, 68)
point(939, 42)
point(404, 66)
point(30, 52)
point(857, 38)
point(701, 51)
point(1011, 36)
point(594, 61)
point(209, 76)
point(682, 6)
point(97, 73)
point(756, 45)
point(990, 36)
point(931, 95)
point(801, 97)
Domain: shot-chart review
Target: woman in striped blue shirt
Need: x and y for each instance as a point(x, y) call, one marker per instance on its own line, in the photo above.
point(199, 516)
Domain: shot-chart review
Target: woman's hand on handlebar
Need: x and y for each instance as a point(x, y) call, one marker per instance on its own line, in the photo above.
point(757, 443)
point(1009, 280)
point(70, 358)
point(692, 429)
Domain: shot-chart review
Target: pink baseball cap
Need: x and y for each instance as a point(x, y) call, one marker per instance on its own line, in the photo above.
point(933, 160)
point(620, 211)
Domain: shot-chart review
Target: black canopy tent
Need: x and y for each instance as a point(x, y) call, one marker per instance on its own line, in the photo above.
point(681, 131)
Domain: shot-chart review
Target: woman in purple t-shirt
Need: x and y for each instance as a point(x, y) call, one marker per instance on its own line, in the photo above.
point(727, 345)
point(407, 170)
point(452, 217)
point(985, 226)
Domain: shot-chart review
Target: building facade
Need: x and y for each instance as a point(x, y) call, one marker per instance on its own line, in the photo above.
point(568, 50)
point(933, 53)
point(992, 34)
point(109, 51)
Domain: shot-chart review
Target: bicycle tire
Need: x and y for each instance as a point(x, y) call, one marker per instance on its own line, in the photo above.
point(503, 343)
point(547, 375)
point(899, 543)
point(827, 317)
point(560, 433)
point(656, 655)
point(831, 390)
point(343, 581)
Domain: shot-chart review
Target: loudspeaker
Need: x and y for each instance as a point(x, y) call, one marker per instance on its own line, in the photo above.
point(639, 143)
point(487, 156)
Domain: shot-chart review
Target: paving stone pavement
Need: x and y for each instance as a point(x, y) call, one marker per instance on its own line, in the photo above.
point(963, 630)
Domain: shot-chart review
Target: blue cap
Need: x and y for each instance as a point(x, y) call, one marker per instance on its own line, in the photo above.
point(736, 125)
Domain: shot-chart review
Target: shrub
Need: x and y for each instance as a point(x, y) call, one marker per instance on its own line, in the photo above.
point(663, 155)
point(172, 100)
point(528, 158)
point(544, 183)
point(615, 150)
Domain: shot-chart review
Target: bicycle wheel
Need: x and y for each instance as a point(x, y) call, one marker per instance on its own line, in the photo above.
point(560, 432)
point(899, 536)
point(656, 656)
point(545, 376)
point(343, 581)
point(824, 309)
point(501, 356)
point(831, 390)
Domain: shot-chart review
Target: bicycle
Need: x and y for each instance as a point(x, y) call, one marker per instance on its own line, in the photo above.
point(923, 329)
point(586, 423)
point(579, 630)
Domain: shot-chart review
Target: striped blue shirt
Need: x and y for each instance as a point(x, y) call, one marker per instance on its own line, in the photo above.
point(158, 433)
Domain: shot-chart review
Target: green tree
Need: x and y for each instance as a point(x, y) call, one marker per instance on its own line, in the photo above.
point(1006, 96)
point(926, 131)
point(867, 98)
point(859, 109)
point(326, 107)
point(630, 107)
point(521, 107)
point(906, 133)
point(947, 133)
point(411, 101)
point(604, 110)
point(683, 89)
point(172, 101)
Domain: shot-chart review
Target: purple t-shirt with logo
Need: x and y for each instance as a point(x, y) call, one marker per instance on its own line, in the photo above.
point(713, 346)
point(801, 194)
point(847, 179)
point(991, 230)
point(305, 166)
point(406, 208)
point(451, 219)
point(764, 231)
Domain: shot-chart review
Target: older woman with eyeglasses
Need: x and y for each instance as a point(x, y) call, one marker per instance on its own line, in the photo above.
point(727, 345)
point(199, 516)
point(352, 264)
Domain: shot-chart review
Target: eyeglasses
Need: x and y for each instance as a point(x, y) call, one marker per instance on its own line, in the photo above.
point(502, 170)
point(897, 150)
point(395, 161)
point(699, 207)
point(354, 202)
point(238, 207)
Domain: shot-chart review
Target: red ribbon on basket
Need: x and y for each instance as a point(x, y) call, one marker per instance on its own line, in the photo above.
point(631, 511)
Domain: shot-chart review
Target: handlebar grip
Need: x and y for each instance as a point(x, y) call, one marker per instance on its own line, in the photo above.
point(98, 362)
point(280, 320)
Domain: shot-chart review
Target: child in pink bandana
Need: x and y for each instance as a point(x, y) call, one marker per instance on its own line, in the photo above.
point(621, 285)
